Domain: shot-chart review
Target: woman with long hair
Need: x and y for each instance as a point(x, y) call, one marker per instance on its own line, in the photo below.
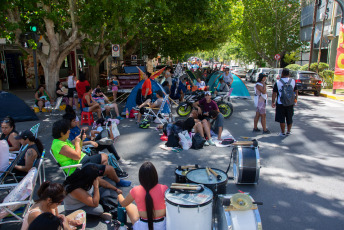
point(83, 191)
point(260, 99)
point(149, 196)
point(50, 195)
point(8, 129)
point(32, 152)
point(42, 96)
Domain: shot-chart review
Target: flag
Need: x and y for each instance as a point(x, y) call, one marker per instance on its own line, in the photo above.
point(141, 73)
point(157, 73)
point(338, 81)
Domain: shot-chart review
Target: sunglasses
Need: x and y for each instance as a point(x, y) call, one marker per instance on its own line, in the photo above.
point(5, 121)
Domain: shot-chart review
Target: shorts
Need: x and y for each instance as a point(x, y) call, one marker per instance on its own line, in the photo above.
point(261, 108)
point(148, 97)
point(114, 88)
point(202, 117)
point(140, 225)
point(86, 109)
point(71, 92)
point(284, 113)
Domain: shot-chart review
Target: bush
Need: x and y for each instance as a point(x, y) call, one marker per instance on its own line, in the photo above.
point(304, 67)
point(327, 78)
point(293, 67)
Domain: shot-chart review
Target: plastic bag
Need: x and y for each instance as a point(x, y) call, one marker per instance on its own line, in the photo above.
point(185, 140)
point(114, 129)
point(47, 104)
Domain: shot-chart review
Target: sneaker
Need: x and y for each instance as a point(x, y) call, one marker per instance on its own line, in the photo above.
point(119, 118)
point(281, 134)
point(105, 141)
point(211, 142)
point(266, 131)
point(124, 162)
point(256, 130)
point(288, 133)
point(206, 143)
point(121, 174)
point(123, 183)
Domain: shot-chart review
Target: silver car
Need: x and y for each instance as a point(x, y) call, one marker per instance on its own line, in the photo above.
point(254, 77)
point(249, 74)
point(240, 72)
point(273, 76)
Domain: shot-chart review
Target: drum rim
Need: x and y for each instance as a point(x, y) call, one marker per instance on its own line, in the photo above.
point(191, 205)
point(218, 182)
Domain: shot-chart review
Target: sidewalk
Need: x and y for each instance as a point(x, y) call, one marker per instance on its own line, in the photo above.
point(338, 96)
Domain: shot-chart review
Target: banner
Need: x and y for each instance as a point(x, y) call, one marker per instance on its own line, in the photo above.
point(338, 81)
point(157, 73)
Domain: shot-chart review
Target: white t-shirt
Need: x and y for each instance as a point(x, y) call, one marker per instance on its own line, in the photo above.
point(279, 85)
point(200, 84)
point(71, 82)
point(228, 78)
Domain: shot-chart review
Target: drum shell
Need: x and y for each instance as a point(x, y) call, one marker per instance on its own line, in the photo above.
point(178, 216)
point(246, 165)
point(180, 178)
point(216, 188)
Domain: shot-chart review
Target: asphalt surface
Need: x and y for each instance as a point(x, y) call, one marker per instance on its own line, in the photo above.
point(301, 179)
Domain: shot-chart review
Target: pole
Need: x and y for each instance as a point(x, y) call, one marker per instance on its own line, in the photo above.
point(35, 66)
point(322, 33)
point(313, 30)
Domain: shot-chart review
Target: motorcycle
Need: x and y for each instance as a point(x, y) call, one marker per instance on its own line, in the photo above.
point(222, 101)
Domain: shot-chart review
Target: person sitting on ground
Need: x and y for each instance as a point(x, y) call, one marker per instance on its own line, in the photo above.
point(100, 98)
point(149, 197)
point(50, 195)
point(147, 103)
point(42, 96)
point(66, 153)
point(217, 123)
point(221, 88)
point(32, 152)
point(200, 84)
point(203, 114)
point(83, 191)
point(8, 129)
point(59, 92)
point(89, 104)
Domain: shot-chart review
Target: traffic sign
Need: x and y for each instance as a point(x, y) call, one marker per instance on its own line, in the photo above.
point(277, 57)
point(115, 50)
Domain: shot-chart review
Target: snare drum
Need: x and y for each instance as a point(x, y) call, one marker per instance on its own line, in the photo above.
point(246, 165)
point(200, 176)
point(185, 211)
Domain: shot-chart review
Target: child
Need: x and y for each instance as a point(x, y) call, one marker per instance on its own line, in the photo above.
point(115, 85)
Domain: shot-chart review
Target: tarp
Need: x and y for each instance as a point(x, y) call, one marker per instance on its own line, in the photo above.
point(239, 87)
point(13, 106)
point(131, 101)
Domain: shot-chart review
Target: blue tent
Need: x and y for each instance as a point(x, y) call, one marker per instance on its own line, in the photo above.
point(131, 101)
point(239, 87)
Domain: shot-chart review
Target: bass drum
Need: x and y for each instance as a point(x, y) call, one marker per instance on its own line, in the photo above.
point(185, 211)
point(246, 165)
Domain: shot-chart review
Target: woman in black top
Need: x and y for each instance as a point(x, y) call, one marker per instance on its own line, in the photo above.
point(9, 133)
point(59, 92)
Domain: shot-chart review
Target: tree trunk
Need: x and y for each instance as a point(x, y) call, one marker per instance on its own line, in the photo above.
point(51, 75)
point(94, 74)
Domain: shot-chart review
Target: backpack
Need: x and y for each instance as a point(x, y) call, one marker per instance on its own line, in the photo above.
point(173, 140)
point(287, 94)
point(197, 141)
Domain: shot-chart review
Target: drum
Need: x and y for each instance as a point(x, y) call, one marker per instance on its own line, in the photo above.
point(246, 165)
point(185, 211)
point(180, 175)
point(200, 176)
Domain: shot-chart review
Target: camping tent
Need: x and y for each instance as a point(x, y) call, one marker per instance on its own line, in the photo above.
point(239, 87)
point(12, 106)
point(131, 101)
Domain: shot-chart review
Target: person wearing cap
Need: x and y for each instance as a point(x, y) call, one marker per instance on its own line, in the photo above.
point(221, 88)
point(101, 98)
point(260, 100)
point(227, 77)
point(203, 113)
point(147, 103)
point(32, 152)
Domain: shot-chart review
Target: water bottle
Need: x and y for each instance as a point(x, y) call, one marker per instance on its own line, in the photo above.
point(126, 113)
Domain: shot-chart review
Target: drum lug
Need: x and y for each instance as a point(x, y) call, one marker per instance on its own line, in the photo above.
point(198, 208)
point(178, 209)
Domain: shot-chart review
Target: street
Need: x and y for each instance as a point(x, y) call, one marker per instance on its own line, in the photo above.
point(301, 176)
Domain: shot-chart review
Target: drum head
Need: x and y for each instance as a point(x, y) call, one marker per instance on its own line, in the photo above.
point(189, 199)
point(200, 176)
point(179, 172)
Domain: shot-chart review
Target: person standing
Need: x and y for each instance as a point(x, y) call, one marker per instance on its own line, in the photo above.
point(284, 110)
point(147, 87)
point(72, 88)
point(260, 100)
point(227, 77)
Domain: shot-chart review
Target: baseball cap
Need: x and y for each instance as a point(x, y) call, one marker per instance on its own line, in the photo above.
point(24, 135)
point(207, 93)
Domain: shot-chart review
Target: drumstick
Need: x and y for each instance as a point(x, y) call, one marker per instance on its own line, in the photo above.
point(188, 185)
point(188, 166)
point(219, 177)
point(185, 188)
point(243, 143)
point(209, 175)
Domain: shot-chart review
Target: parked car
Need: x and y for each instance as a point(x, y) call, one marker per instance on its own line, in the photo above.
point(254, 77)
point(273, 76)
point(249, 74)
point(240, 72)
point(307, 81)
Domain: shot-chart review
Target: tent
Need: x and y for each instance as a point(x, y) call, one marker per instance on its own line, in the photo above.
point(13, 106)
point(239, 87)
point(131, 101)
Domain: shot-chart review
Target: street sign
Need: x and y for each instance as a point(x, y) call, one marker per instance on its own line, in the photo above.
point(277, 57)
point(115, 50)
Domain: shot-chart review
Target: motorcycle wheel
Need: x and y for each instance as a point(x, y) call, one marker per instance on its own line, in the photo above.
point(184, 109)
point(226, 109)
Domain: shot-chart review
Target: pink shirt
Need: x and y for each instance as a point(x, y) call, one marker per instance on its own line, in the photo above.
point(157, 193)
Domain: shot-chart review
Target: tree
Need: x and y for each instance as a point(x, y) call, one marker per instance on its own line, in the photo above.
point(57, 22)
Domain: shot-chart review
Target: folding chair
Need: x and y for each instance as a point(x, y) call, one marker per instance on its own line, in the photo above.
point(10, 168)
point(68, 168)
point(34, 129)
point(57, 105)
point(21, 195)
point(151, 112)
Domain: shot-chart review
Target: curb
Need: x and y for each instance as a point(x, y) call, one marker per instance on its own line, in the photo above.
point(339, 98)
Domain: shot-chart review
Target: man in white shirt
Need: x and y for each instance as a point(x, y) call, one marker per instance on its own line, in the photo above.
point(200, 84)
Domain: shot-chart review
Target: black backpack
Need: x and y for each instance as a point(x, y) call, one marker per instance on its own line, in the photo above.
point(287, 94)
point(173, 140)
point(197, 141)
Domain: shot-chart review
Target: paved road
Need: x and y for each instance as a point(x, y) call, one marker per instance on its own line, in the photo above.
point(301, 175)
